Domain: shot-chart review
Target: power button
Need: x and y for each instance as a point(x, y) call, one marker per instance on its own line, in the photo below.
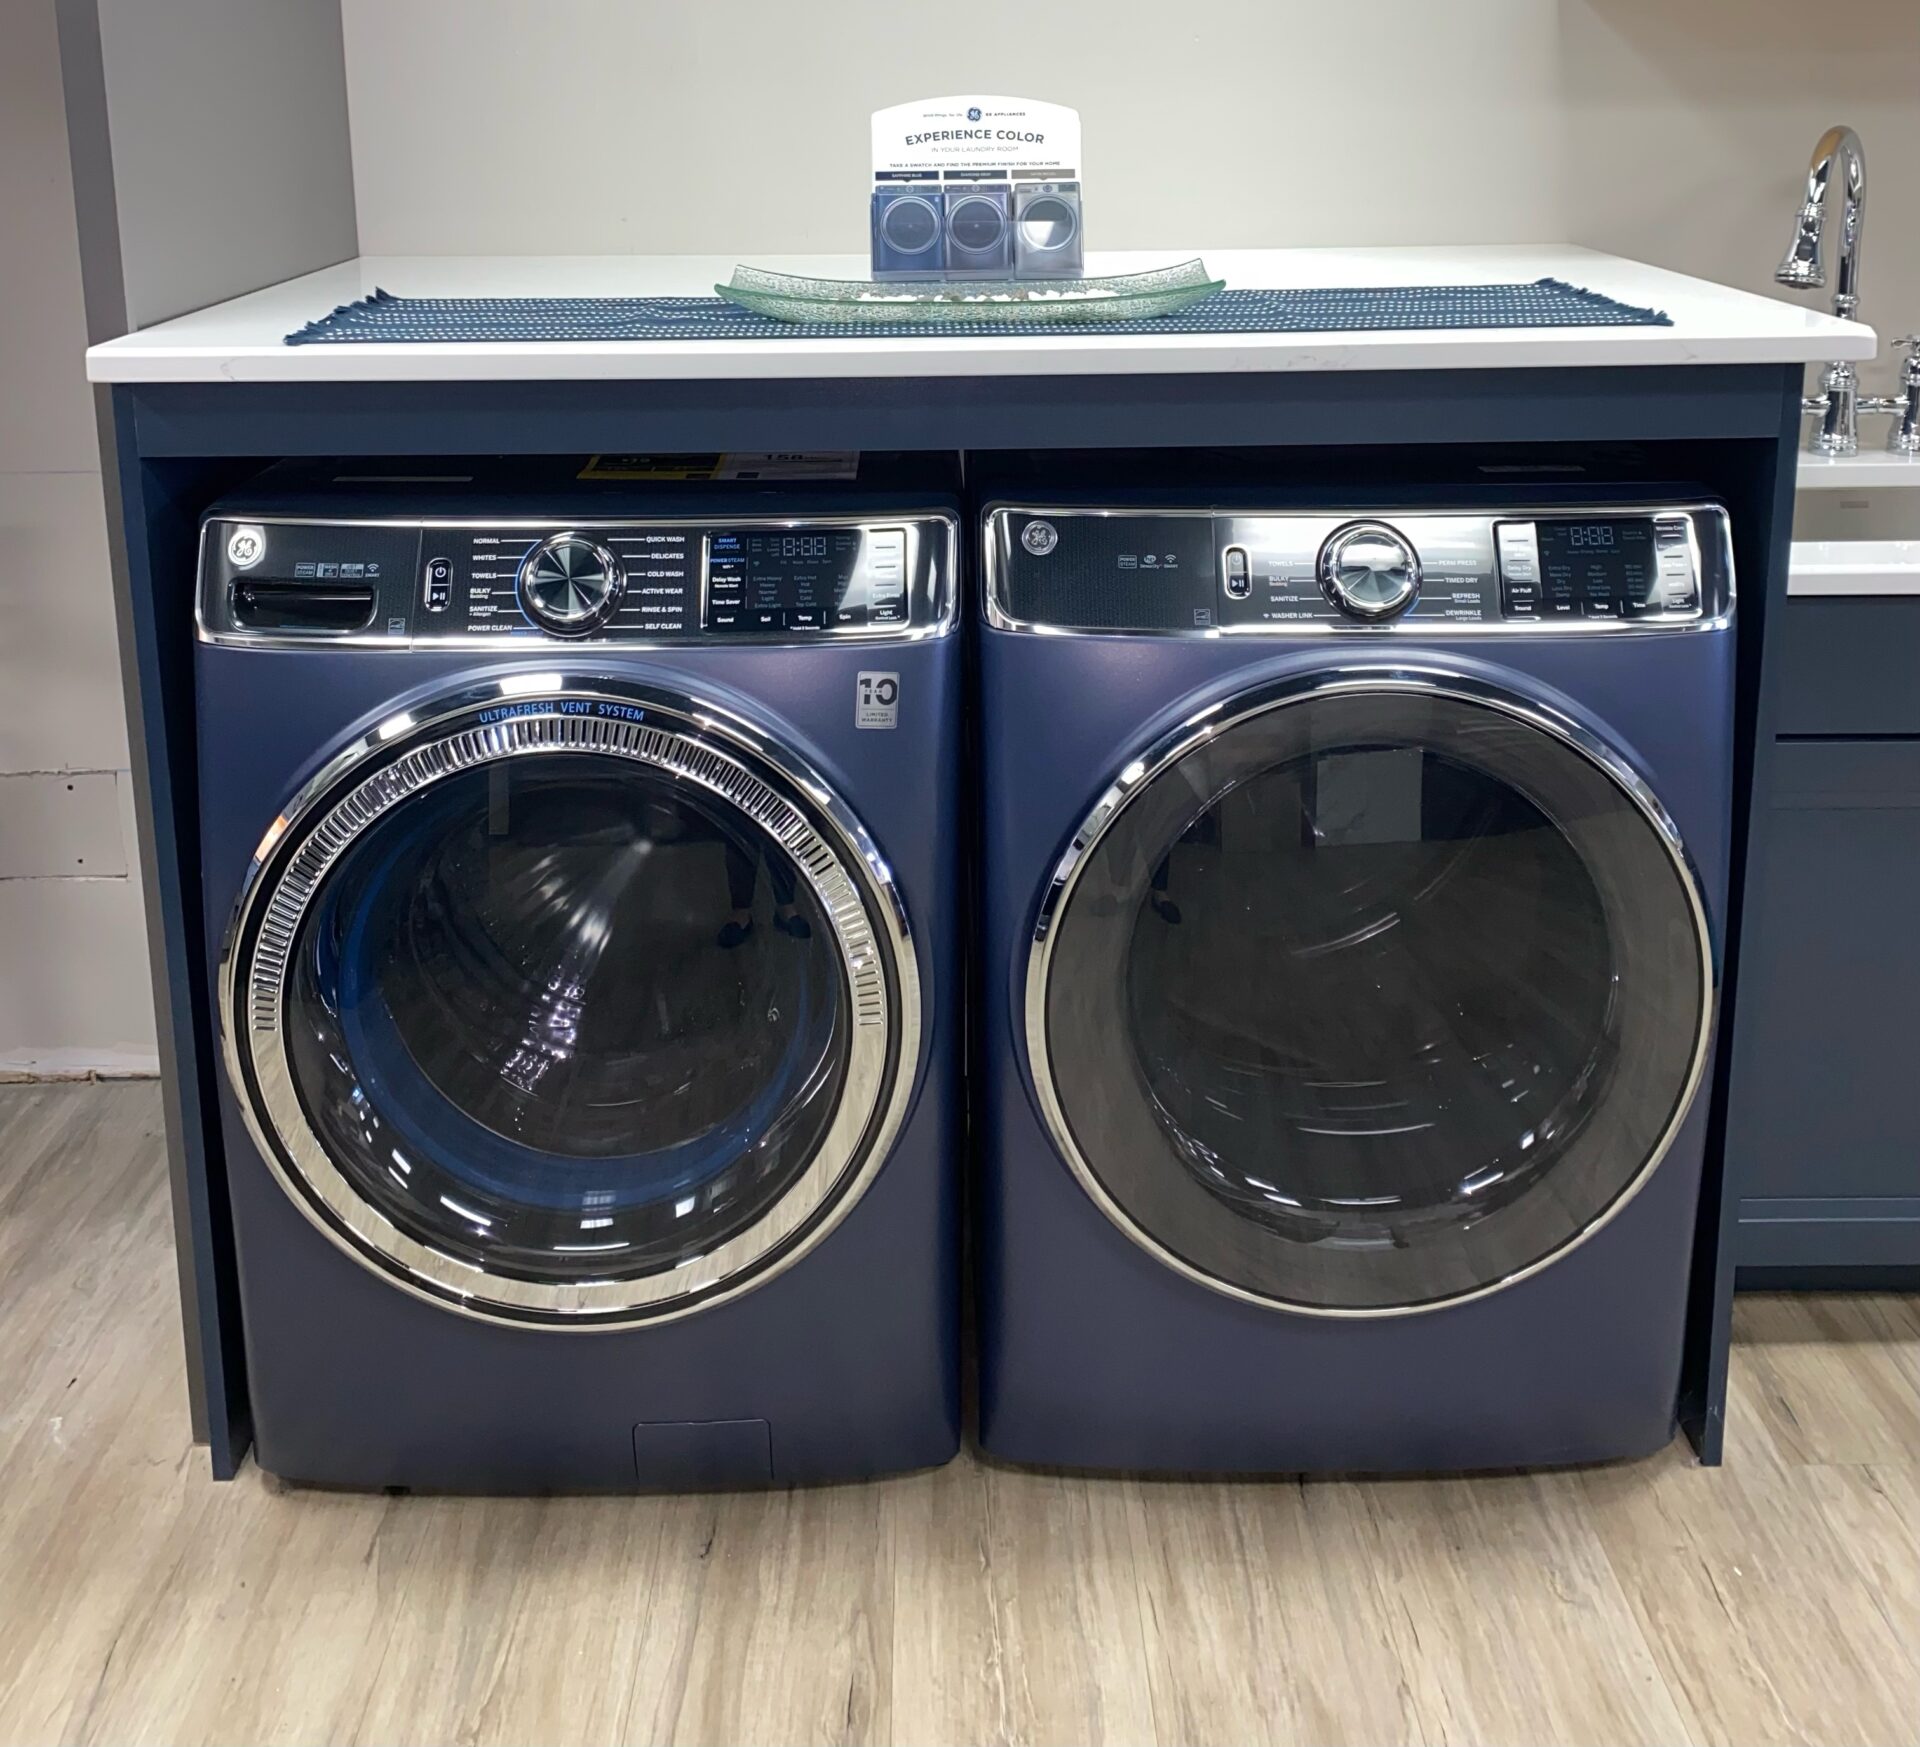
point(437, 589)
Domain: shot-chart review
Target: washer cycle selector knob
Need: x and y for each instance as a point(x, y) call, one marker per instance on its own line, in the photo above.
point(570, 585)
point(1369, 570)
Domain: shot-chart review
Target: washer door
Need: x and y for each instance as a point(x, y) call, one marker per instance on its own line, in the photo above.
point(497, 1024)
point(1369, 995)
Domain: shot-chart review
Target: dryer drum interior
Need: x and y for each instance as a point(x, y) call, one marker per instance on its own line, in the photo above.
point(497, 1025)
point(1368, 998)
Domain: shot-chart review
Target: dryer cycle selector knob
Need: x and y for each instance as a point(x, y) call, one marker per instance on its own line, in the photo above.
point(570, 585)
point(1369, 570)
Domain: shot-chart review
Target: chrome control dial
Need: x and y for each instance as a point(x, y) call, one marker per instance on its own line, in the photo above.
point(1369, 570)
point(570, 585)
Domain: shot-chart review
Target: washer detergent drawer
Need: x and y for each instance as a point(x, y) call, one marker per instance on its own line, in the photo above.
point(1831, 1000)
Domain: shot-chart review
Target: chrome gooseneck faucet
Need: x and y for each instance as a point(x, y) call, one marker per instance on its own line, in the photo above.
point(1804, 268)
point(1840, 402)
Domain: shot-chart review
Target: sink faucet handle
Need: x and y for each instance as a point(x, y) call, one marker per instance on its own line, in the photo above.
point(1904, 438)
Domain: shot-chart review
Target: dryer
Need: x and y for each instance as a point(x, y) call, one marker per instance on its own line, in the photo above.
point(581, 896)
point(1354, 865)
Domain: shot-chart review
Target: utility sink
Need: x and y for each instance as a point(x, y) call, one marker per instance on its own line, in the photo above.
point(1854, 567)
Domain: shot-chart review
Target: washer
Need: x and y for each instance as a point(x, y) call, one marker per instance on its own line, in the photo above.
point(1046, 230)
point(979, 230)
point(1354, 868)
point(581, 908)
point(908, 223)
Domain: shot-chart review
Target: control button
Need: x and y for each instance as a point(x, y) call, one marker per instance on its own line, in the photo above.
point(1519, 549)
point(1601, 606)
point(1670, 532)
point(569, 585)
point(887, 552)
point(1521, 600)
point(1239, 574)
point(848, 616)
point(805, 619)
point(437, 588)
point(723, 619)
point(1369, 570)
point(762, 618)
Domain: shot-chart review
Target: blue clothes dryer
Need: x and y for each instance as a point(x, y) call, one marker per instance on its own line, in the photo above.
point(582, 903)
point(1353, 870)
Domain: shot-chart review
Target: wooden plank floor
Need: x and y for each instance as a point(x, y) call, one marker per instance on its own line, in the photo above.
point(1777, 1599)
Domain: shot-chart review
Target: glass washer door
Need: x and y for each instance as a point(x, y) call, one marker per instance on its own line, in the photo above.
point(574, 1010)
point(1370, 994)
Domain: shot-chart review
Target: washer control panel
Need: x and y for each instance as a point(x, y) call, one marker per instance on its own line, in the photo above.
point(421, 583)
point(1578, 568)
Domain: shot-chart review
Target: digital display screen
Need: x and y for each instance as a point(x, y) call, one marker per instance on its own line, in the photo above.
point(1598, 568)
point(762, 580)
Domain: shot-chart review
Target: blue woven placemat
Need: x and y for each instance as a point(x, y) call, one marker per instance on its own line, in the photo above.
point(1546, 303)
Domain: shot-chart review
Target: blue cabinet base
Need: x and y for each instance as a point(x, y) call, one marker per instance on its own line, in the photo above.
point(1733, 429)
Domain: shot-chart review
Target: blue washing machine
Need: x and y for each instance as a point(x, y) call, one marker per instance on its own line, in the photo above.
point(582, 895)
point(1354, 865)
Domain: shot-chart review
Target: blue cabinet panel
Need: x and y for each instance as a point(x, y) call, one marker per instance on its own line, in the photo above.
point(1832, 996)
point(1850, 666)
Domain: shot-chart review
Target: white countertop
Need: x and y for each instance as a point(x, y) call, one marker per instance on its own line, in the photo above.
point(244, 340)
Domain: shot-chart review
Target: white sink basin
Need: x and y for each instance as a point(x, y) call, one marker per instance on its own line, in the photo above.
point(1848, 567)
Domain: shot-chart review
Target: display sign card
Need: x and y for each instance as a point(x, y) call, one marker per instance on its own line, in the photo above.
point(975, 187)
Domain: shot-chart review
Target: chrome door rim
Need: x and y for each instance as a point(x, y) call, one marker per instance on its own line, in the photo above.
point(1139, 773)
point(691, 740)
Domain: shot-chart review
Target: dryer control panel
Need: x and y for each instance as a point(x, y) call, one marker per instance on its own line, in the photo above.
point(426, 583)
point(1578, 568)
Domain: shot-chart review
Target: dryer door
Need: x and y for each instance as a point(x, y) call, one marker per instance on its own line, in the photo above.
point(1370, 995)
point(574, 1007)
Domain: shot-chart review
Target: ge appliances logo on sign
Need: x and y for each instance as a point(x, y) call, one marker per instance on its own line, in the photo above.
point(976, 133)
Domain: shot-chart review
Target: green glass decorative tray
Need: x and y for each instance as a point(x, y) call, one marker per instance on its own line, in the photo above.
point(1118, 297)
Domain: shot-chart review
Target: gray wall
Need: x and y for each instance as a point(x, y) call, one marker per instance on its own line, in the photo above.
point(1671, 130)
point(602, 126)
point(1676, 131)
point(1690, 122)
point(231, 163)
point(202, 151)
point(73, 982)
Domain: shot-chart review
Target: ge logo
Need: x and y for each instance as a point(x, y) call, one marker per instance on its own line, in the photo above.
point(876, 700)
point(973, 114)
point(1039, 538)
point(246, 547)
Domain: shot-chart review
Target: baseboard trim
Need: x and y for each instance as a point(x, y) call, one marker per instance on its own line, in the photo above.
point(78, 1064)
